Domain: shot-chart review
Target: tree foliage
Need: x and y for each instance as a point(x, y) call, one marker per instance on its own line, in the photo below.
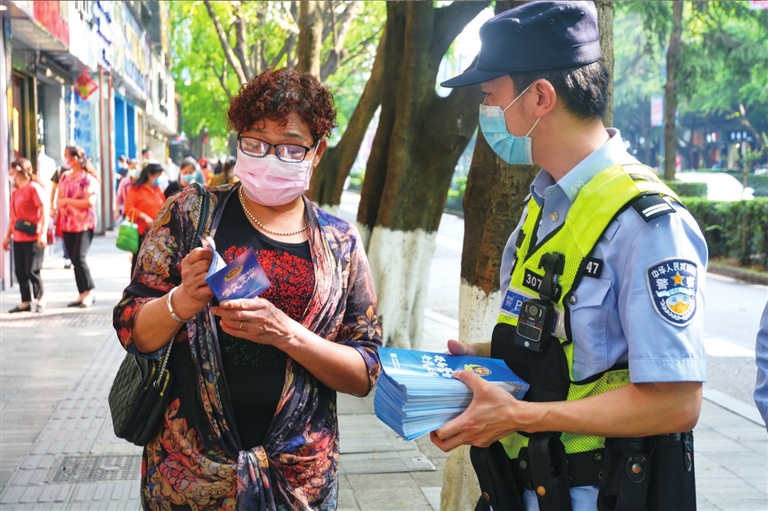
point(219, 45)
point(723, 65)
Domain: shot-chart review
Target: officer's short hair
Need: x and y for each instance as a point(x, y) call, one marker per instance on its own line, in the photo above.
point(583, 90)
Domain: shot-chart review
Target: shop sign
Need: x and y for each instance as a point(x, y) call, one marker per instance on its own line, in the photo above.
point(48, 14)
point(85, 85)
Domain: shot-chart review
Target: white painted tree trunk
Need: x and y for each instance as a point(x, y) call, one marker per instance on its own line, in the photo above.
point(460, 487)
point(478, 312)
point(400, 262)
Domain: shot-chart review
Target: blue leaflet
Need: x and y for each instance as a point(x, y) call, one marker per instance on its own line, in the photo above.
point(242, 278)
point(417, 393)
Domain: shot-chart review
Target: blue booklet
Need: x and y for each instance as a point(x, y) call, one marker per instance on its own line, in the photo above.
point(416, 392)
point(242, 278)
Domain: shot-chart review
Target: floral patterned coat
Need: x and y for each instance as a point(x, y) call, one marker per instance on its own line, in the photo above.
point(194, 462)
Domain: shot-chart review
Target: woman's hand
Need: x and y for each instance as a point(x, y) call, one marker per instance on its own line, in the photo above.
point(194, 293)
point(42, 240)
point(7, 243)
point(257, 320)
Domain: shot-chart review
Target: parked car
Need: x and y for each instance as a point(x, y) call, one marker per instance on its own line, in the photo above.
point(720, 186)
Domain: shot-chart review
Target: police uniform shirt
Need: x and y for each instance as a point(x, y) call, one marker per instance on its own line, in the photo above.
point(761, 358)
point(617, 315)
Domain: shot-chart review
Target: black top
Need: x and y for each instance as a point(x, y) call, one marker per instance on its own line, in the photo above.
point(255, 373)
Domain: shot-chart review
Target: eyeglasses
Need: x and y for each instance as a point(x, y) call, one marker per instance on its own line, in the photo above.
point(289, 153)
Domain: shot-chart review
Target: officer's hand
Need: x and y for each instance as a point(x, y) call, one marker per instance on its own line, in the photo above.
point(470, 349)
point(493, 413)
point(459, 348)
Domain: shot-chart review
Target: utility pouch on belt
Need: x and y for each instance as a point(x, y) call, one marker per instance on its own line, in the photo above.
point(498, 484)
point(673, 481)
point(549, 472)
point(646, 474)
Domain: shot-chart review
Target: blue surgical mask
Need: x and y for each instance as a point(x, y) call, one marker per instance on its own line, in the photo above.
point(156, 182)
point(511, 149)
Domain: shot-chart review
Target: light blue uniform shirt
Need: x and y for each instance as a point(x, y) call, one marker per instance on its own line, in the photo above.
point(614, 318)
point(761, 357)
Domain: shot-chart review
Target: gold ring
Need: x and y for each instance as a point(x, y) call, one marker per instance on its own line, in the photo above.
point(241, 325)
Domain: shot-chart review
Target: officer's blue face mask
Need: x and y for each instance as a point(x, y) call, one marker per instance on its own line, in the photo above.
point(511, 149)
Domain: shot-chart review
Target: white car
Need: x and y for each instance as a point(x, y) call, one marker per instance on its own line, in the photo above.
point(720, 186)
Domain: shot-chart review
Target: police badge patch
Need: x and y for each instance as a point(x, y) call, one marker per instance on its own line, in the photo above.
point(672, 286)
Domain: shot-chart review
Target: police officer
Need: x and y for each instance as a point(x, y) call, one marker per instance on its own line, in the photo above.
point(761, 358)
point(604, 280)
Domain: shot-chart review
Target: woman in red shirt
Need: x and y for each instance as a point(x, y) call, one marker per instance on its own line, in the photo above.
point(27, 228)
point(143, 201)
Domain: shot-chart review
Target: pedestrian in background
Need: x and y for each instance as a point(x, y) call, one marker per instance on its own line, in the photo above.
point(187, 175)
point(133, 173)
point(75, 203)
point(226, 175)
point(143, 201)
point(27, 229)
point(54, 214)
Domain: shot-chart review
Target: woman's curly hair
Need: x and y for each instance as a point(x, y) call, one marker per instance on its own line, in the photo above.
point(274, 94)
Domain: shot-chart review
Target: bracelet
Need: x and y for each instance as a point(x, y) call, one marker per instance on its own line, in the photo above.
point(170, 307)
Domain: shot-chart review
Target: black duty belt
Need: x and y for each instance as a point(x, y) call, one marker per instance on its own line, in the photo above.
point(584, 468)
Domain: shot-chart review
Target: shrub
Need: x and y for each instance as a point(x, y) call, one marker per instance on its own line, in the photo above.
point(688, 189)
point(356, 180)
point(455, 200)
point(759, 184)
point(734, 229)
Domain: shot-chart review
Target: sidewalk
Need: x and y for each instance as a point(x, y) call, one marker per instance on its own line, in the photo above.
point(57, 450)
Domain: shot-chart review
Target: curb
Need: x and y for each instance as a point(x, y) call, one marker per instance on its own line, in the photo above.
point(750, 276)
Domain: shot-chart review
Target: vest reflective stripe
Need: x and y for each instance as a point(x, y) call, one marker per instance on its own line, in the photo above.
point(597, 204)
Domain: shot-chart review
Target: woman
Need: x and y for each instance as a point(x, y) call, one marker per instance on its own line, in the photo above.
point(143, 201)
point(187, 176)
point(28, 227)
point(226, 175)
point(75, 203)
point(252, 421)
point(131, 176)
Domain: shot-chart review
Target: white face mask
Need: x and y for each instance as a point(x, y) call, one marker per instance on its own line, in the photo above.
point(270, 181)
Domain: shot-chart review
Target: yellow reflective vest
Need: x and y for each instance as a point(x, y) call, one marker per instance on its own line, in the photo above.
point(596, 205)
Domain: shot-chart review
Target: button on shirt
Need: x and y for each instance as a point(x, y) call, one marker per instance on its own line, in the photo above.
point(614, 319)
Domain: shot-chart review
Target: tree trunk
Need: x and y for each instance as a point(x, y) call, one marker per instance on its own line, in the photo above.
point(605, 26)
point(328, 180)
point(310, 37)
point(670, 90)
point(228, 52)
point(418, 141)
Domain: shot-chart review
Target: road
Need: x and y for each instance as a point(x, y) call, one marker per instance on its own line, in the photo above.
point(733, 309)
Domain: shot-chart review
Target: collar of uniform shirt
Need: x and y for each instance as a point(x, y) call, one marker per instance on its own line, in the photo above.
point(609, 154)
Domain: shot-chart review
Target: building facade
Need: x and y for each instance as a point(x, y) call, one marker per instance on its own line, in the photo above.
point(94, 74)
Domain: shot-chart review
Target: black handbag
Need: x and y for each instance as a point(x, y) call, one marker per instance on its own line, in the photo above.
point(140, 392)
point(26, 227)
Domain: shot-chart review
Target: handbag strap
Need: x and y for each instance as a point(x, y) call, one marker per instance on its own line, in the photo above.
point(204, 206)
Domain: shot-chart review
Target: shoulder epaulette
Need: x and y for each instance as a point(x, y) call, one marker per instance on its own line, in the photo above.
point(651, 206)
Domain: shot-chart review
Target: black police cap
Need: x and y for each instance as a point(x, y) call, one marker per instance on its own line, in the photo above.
point(536, 36)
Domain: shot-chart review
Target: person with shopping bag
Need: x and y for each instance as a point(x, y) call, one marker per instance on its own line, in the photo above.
point(143, 201)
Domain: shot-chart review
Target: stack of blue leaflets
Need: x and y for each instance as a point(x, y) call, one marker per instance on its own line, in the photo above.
point(417, 392)
point(242, 278)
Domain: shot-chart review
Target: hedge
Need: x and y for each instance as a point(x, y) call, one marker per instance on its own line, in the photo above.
point(683, 189)
point(734, 229)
